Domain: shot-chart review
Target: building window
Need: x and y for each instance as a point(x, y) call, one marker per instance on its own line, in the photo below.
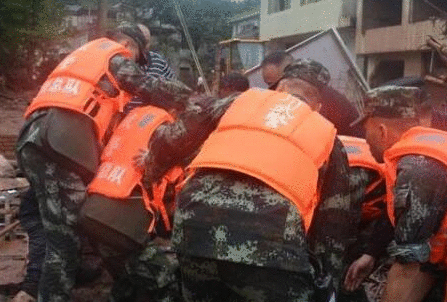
point(278, 5)
point(304, 2)
point(385, 71)
point(381, 13)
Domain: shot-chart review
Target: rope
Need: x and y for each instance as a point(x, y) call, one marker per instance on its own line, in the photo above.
point(190, 45)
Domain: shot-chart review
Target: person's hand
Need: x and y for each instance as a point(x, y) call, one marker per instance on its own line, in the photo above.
point(358, 271)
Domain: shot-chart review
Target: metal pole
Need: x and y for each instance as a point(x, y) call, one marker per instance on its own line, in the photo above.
point(217, 71)
point(432, 61)
point(191, 46)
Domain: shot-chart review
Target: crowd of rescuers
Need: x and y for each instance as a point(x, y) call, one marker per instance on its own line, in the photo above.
point(255, 195)
point(86, 94)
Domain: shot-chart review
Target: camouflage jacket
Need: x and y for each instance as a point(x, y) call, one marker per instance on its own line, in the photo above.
point(177, 143)
point(419, 205)
point(276, 237)
point(374, 236)
point(156, 91)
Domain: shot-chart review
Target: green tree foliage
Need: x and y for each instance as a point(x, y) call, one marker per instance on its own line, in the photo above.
point(29, 28)
point(26, 28)
point(208, 24)
point(207, 20)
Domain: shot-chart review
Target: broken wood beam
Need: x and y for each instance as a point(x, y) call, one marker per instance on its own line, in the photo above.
point(9, 228)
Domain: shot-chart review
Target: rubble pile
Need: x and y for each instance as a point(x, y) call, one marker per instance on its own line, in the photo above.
point(13, 240)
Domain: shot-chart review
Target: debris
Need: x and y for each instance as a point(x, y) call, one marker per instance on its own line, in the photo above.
point(12, 261)
point(441, 50)
point(6, 169)
point(9, 228)
point(13, 183)
point(23, 297)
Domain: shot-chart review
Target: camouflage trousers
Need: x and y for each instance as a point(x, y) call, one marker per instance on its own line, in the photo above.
point(151, 274)
point(60, 193)
point(239, 240)
point(215, 280)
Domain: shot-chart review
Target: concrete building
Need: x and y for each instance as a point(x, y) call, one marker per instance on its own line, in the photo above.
point(287, 22)
point(391, 37)
point(246, 25)
point(387, 37)
point(79, 18)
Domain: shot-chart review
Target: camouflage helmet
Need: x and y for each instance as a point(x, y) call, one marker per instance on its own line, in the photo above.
point(308, 70)
point(393, 102)
point(134, 31)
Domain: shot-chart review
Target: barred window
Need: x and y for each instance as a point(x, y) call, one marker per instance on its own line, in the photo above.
point(278, 5)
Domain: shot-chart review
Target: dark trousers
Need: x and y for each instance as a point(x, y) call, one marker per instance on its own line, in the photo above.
point(32, 223)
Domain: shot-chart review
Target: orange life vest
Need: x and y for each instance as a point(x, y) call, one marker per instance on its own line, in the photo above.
point(117, 176)
point(74, 85)
point(359, 155)
point(275, 138)
point(419, 141)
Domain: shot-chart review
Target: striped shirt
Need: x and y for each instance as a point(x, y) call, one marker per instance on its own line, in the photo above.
point(157, 67)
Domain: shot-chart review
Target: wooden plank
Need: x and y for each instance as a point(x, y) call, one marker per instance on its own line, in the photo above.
point(13, 183)
point(9, 228)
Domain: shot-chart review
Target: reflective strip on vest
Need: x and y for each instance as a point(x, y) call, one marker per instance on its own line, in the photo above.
point(73, 85)
point(117, 176)
point(275, 138)
point(359, 154)
point(419, 141)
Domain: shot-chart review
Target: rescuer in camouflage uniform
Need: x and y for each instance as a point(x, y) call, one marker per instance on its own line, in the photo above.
point(334, 105)
point(59, 184)
point(260, 250)
point(335, 225)
point(374, 233)
point(151, 274)
point(419, 193)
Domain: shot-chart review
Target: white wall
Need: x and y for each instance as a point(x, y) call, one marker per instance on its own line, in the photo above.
point(413, 64)
point(299, 19)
